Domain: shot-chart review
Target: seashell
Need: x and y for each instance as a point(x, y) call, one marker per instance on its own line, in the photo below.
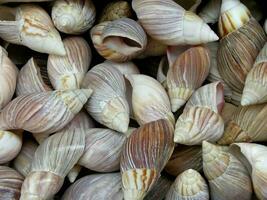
point(265, 26)
point(188, 185)
point(10, 145)
point(211, 12)
point(74, 172)
point(67, 72)
point(45, 112)
point(8, 76)
point(116, 10)
point(10, 183)
point(102, 150)
point(160, 189)
point(186, 74)
point(176, 26)
point(201, 118)
point(108, 104)
point(52, 161)
point(30, 26)
point(190, 5)
point(240, 33)
point(247, 124)
point(120, 40)
point(26, 1)
point(225, 173)
point(162, 71)
point(184, 158)
point(254, 157)
point(149, 99)
point(72, 16)
point(96, 186)
point(145, 154)
point(30, 79)
point(255, 91)
point(22, 163)
point(228, 112)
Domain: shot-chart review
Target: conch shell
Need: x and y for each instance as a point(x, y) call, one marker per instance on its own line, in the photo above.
point(52, 161)
point(67, 72)
point(10, 183)
point(31, 26)
point(188, 185)
point(108, 104)
point(149, 99)
point(120, 40)
point(186, 74)
point(96, 186)
point(211, 12)
point(153, 143)
point(169, 23)
point(225, 173)
point(8, 77)
point(45, 112)
point(102, 150)
point(201, 118)
point(73, 16)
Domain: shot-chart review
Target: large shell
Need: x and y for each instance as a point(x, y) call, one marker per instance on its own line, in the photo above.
point(225, 173)
point(73, 16)
point(184, 158)
point(169, 23)
point(144, 156)
point(67, 72)
point(108, 104)
point(120, 40)
point(10, 183)
point(52, 161)
point(201, 118)
point(187, 73)
point(31, 26)
point(45, 112)
point(102, 150)
point(149, 99)
point(211, 12)
point(96, 186)
point(189, 185)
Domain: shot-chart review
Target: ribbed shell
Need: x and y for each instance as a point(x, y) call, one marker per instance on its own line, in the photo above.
point(120, 40)
point(96, 187)
point(10, 183)
point(67, 72)
point(124, 68)
point(145, 154)
point(189, 185)
point(187, 74)
point(102, 150)
point(183, 158)
point(30, 79)
point(73, 16)
point(45, 112)
point(108, 104)
point(225, 173)
point(8, 77)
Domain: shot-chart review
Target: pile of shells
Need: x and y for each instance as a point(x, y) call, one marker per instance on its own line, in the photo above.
point(133, 100)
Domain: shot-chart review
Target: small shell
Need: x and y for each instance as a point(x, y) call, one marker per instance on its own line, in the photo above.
point(10, 183)
point(45, 112)
point(8, 77)
point(30, 79)
point(184, 158)
point(175, 28)
point(31, 26)
point(74, 173)
point(187, 73)
point(120, 40)
point(102, 150)
point(201, 118)
point(144, 156)
point(225, 173)
point(108, 104)
point(97, 186)
point(189, 185)
point(211, 12)
point(67, 72)
point(149, 99)
point(116, 10)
